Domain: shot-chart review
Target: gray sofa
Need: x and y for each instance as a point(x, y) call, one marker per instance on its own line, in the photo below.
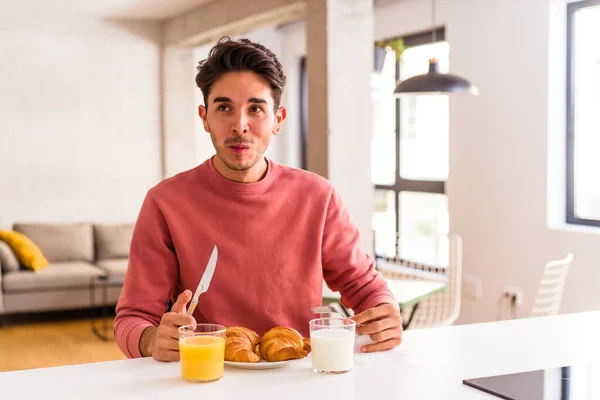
point(77, 253)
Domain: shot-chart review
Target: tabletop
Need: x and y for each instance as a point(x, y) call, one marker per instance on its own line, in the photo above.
point(430, 364)
point(406, 291)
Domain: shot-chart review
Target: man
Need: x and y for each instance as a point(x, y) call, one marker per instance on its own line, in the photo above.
point(279, 231)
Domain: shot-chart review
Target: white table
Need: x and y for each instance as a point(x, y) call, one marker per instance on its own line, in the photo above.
point(406, 291)
point(430, 364)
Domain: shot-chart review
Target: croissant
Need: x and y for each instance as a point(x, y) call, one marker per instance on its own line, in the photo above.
point(241, 345)
point(307, 345)
point(282, 343)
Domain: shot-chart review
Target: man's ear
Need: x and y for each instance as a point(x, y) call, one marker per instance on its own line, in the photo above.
point(279, 118)
point(202, 112)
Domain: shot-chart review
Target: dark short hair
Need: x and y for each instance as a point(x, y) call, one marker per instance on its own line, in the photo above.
point(240, 55)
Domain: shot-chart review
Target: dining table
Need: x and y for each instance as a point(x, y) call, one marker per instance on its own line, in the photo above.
point(408, 292)
point(429, 364)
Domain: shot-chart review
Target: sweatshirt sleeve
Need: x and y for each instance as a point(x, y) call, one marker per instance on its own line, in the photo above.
point(346, 267)
point(150, 279)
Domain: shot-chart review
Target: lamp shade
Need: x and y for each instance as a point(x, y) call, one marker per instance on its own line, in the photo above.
point(435, 82)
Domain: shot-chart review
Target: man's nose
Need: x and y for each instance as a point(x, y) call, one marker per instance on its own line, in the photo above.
point(240, 124)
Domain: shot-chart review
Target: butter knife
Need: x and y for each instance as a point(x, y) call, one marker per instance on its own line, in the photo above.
point(205, 280)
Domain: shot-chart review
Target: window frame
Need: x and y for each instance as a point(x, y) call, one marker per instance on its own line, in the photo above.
point(571, 216)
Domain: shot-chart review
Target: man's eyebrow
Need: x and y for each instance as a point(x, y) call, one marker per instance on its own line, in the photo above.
point(257, 100)
point(254, 100)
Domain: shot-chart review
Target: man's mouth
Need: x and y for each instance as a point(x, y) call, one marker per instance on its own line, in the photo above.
point(239, 148)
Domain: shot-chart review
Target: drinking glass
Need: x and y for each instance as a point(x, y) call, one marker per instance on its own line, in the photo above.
point(332, 343)
point(202, 352)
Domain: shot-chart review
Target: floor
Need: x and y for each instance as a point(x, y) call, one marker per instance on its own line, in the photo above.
point(44, 342)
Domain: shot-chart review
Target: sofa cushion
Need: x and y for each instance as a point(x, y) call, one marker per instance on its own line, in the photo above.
point(61, 242)
point(57, 276)
point(112, 241)
point(29, 255)
point(8, 259)
point(115, 267)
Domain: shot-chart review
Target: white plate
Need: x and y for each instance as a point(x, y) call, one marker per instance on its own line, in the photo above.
point(262, 364)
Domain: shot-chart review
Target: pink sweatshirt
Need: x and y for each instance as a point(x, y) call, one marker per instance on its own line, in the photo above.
point(277, 240)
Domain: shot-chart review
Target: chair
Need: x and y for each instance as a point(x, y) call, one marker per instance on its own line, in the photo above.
point(444, 253)
point(550, 290)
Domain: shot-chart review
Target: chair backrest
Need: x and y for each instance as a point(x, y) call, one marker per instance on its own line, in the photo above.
point(550, 290)
point(440, 309)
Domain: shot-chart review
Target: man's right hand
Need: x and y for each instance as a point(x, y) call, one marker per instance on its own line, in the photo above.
point(162, 343)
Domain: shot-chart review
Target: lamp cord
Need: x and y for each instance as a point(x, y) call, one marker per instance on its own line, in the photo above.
point(433, 30)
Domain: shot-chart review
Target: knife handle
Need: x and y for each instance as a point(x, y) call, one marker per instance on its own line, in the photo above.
point(193, 305)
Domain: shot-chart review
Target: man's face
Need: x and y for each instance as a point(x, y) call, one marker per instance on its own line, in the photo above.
point(240, 118)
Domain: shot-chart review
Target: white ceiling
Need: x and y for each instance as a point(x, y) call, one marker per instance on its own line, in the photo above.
point(122, 9)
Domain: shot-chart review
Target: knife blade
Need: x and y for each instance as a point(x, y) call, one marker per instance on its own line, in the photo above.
point(205, 280)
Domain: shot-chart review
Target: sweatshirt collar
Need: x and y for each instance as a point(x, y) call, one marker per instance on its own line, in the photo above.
point(238, 187)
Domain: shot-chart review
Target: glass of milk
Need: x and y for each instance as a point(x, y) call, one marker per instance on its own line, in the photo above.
point(332, 343)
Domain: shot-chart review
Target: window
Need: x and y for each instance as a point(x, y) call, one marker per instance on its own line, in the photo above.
point(409, 154)
point(583, 118)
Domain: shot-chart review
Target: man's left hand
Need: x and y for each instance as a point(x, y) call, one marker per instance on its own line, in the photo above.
point(383, 324)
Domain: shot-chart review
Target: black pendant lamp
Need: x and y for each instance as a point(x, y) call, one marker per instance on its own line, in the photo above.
point(434, 82)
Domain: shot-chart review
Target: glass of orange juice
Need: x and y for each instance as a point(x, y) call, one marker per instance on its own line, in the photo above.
point(202, 352)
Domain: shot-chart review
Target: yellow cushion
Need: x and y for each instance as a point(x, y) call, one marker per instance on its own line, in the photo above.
point(26, 251)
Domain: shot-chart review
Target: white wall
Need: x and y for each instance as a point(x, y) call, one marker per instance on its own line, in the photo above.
point(80, 112)
point(180, 112)
point(504, 144)
point(204, 146)
point(272, 39)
